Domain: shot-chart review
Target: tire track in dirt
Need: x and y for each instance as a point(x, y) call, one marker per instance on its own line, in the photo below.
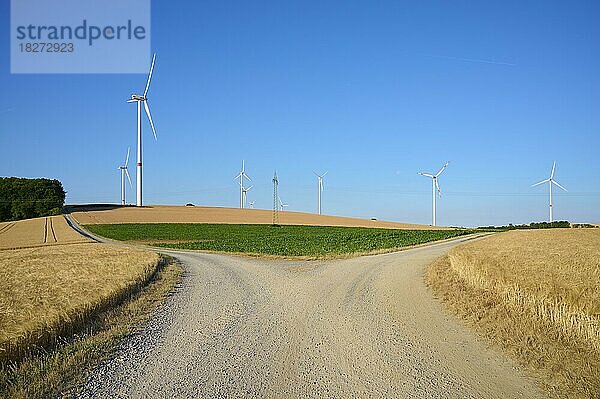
point(52, 231)
point(45, 230)
point(6, 227)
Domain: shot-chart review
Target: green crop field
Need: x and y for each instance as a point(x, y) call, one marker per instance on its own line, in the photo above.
point(305, 241)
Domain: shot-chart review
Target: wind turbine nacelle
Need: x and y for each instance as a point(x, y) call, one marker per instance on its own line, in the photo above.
point(137, 97)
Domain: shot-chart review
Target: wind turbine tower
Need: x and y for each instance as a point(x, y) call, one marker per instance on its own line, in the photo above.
point(550, 182)
point(142, 99)
point(243, 190)
point(275, 198)
point(124, 172)
point(436, 187)
point(319, 188)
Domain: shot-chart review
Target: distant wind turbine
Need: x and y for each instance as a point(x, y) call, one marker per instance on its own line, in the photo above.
point(275, 198)
point(550, 182)
point(136, 98)
point(124, 172)
point(282, 205)
point(243, 190)
point(319, 188)
point(246, 189)
point(436, 187)
point(252, 204)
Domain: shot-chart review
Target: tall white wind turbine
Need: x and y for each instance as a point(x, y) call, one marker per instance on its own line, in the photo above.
point(243, 190)
point(124, 171)
point(139, 99)
point(319, 188)
point(550, 182)
point(436, 187)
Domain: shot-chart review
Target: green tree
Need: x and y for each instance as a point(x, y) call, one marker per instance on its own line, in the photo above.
point(22, 198)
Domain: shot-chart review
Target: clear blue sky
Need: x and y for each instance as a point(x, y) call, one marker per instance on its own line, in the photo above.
point(370, 92)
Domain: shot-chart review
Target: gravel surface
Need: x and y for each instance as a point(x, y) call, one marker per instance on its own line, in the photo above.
point(363, 327)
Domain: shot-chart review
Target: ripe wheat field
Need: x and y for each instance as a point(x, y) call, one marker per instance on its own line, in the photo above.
point(537, 294)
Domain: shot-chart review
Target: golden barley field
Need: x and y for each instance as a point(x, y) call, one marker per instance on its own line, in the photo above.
point(51, 230)
point(537, 294)
point(52, 279)
point(50, 291)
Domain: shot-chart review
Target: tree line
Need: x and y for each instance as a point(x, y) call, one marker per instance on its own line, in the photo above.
point(22, 198)
point(532, 225)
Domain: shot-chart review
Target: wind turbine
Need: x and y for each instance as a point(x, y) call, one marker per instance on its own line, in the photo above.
point(275, 198)
point(435, 185)
point(282, 205)
point(136, 98)
point(252, 204)
point(124, 171)
point(319, 187)
point(243, 190)
point(550, 182)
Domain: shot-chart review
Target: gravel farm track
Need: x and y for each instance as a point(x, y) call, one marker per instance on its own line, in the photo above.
point(362, 327)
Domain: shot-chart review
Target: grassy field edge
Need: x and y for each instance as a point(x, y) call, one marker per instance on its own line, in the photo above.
point(49, 371)
point(561, 365)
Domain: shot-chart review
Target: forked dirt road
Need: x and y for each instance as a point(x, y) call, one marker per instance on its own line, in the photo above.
point(364, 327)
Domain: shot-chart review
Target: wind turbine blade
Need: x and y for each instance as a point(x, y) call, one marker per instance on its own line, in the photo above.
point(553, 167)
point(438, 187)
point(323, 175)
point(426, 174)
point(238, 176)
point(542, 182)
point(150, 118)
point(127, 158)
point(555, 182)
point(441, 170)
point(150, 75)
point(128, 178)
point(131, 101)
point(248, 189)
point(248, 177)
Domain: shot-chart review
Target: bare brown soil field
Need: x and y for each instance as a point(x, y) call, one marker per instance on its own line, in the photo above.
point(49, 290)
point(199, 214)
point(537, 294)
point(37, 232)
